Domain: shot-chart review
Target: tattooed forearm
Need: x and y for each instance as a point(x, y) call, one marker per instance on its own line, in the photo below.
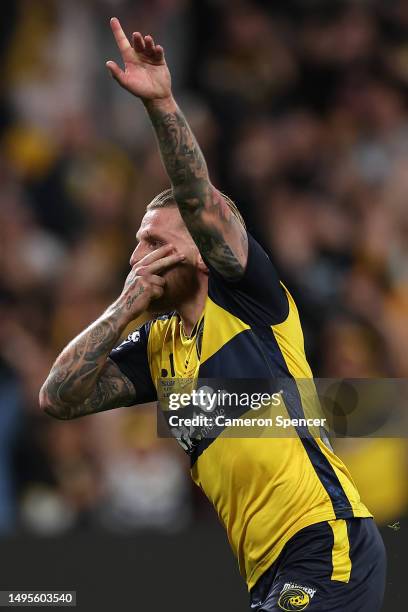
point(82, 381)
point(182, 157)
point(217, 231)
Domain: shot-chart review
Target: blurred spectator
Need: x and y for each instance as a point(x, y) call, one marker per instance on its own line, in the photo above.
point(144, 478)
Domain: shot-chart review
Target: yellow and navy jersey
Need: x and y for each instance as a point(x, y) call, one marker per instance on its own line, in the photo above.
point(264, 489)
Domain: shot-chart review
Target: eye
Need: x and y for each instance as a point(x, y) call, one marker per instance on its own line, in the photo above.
point(156, 244)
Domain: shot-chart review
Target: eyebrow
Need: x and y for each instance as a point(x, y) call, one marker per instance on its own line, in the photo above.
point(149, 237)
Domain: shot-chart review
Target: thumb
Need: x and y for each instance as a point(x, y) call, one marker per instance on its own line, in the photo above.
point(115, 72)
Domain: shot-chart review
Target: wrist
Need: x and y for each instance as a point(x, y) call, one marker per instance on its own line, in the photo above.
point(120, 314)
point(163, 105)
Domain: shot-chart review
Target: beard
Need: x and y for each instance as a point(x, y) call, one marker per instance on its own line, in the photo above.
point(181, 286)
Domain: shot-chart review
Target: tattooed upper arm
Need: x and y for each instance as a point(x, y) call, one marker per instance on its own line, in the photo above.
point(112, 390)
point(217, 231)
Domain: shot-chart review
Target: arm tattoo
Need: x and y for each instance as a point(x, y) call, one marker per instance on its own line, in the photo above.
point(83, 380)
point(218, 233)
point(112, 390)
point(181, 154)
point(132, 298)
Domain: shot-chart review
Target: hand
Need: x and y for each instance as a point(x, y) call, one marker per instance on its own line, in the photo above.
point(144, 283)
point(146, 74)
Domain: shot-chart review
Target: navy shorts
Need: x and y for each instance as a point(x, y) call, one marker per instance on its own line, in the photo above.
point(334, 566)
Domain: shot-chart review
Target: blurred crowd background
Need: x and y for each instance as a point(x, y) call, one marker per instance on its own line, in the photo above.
point(301, 110)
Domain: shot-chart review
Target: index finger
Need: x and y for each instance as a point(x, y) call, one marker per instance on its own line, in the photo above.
point(162, 264)
point(156, 254)
point(121, 39)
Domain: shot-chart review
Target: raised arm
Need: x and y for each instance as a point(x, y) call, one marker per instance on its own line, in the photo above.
point(83, 379)
point(217, 231)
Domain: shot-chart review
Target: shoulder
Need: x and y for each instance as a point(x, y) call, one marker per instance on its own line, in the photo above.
point(258, 295)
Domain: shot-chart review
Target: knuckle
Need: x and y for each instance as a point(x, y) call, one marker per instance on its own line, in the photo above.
point(141, 270)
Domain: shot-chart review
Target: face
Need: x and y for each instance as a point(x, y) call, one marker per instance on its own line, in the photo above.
point(162, 226)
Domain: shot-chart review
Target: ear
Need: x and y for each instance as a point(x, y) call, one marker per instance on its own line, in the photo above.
point(201, 265)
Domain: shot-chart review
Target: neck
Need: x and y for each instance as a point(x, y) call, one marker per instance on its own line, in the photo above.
point(191, 311)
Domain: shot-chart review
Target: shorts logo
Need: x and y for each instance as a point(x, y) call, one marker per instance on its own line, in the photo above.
point(295, 597)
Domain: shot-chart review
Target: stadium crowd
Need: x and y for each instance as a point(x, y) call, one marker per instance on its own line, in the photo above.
point(301, 110)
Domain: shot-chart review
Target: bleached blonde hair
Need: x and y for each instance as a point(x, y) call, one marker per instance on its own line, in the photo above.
point(166, 198)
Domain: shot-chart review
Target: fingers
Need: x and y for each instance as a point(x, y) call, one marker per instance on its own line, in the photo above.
point(116, 72)
point(149, 44)
point(159, 54)
point(153, 284)
point(163, 264)
point(150, 285)
point(138, 42)
point(144, 268)
point(156, 254)
point(157, 292)
point(146, 45)
point(124, 45)
point(152, 279)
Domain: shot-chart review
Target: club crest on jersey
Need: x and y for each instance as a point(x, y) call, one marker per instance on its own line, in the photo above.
point(295, 597)
point(134, 337)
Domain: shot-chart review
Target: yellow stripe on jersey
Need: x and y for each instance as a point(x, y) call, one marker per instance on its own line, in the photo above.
point(226, 327)
point(289, 337)
point(341, 551)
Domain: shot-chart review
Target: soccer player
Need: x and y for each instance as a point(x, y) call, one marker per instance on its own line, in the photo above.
point(293, 516)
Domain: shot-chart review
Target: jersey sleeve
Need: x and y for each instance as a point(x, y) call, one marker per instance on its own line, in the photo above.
point(257, 294)
point(131, 357)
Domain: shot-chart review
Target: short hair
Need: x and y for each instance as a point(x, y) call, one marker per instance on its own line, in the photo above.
point(166, 198)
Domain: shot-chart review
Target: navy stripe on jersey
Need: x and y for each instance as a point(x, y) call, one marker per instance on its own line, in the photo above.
point(321, 464)
point(240, 357)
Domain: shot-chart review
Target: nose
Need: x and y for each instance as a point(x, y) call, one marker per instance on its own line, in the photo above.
point(136, 255)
